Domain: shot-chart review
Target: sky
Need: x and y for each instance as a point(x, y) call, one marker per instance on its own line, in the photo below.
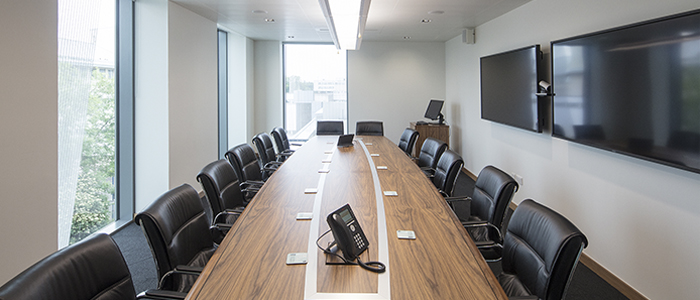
point(314, 62)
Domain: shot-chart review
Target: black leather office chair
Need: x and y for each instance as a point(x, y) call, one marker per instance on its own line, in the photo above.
point(177, 231)
point(223, 192)
point(408, 140)
point(493, 191)
point(430, 154)
point(247, 168)
point(266, 152)
point(540, 251)
point(446, 171)
point(284, 150)
point(93, 268)
point(325, 127)
point(375, 128)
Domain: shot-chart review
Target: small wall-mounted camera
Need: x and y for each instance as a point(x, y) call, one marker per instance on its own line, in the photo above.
point(544, 88)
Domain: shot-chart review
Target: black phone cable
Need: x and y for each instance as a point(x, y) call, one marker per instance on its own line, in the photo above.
point(373, 266)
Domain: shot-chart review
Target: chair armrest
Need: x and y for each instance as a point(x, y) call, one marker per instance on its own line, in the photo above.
point(486, 244)
point(180, 270)
point(285, 154)
point(474, 223)
point(251, 184)
point(228, 212)
point(221, 226)
point(237, 210)
point(296, 144)
point(430, 172)
point(268, 169)
point(458, 198)
point(153, 294)
point(490, 256)
point(219, 231)
point(461, 205)
point(251, 190)
point(190, 270)
point(471, 224)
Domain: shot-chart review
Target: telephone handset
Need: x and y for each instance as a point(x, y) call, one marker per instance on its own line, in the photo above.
point(347, 232)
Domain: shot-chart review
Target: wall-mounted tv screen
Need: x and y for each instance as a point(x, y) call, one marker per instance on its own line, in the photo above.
point(633, 90)
point(509, 81)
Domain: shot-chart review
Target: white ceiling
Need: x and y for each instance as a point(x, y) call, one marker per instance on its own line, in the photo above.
point(388, 20)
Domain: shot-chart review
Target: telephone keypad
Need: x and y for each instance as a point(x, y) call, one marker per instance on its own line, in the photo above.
point(358, 240)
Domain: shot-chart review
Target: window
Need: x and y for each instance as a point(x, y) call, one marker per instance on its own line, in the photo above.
point(89, 125)
point(315, 87)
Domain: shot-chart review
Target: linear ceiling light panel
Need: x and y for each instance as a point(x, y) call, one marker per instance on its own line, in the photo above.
point(346, 21)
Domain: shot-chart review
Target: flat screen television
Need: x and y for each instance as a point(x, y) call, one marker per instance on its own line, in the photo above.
point(633, 90)
point(433, 111)
point(509, 82)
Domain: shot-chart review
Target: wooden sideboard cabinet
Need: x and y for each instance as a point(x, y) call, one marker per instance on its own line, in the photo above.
point(440, 132)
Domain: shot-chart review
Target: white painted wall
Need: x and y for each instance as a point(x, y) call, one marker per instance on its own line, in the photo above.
point(393, 82)
point(250, 89)
point(28, 134)
point(267, 109)
point(192, 90)
point(641, 218)
point(176, 97)
point(240, 88)
point(152, 155)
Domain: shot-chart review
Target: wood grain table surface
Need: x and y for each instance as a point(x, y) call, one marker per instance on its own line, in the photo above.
point(441, 263)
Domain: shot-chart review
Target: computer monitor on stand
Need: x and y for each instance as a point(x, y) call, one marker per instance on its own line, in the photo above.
point(433, 111)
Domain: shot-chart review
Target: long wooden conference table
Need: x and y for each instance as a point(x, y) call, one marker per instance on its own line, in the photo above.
point(441, 263)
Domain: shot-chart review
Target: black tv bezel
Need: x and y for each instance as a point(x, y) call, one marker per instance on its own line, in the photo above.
point(601, 32)
point(541, 113)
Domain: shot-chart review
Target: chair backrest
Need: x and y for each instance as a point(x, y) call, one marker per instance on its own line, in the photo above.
point(281, 140)
point(325, 127)
point(542, 248)
point(447, 170)
point(430, 152)
point(93, 268)
point(408, 140)
point(244, 162)
point(493, 192)
point(178, 233)
point(221, 186)
point(266, 151)
point(375, 128)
